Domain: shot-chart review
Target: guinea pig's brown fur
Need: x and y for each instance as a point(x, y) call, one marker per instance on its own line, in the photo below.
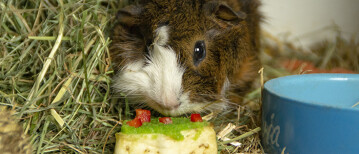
point(227, 30)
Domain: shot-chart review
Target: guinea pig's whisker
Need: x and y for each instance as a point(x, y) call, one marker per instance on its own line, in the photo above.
point(141, 106)
point(117, 96)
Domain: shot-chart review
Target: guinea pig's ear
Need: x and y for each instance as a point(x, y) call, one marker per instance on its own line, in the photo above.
point(224, 13)
point(128, 15)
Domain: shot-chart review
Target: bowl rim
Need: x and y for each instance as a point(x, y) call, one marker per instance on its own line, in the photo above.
point(327, 76)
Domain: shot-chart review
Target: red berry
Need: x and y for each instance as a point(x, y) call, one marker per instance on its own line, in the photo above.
point(165, 120)
point(143, 115)
point(135, 122)
point(196, 118)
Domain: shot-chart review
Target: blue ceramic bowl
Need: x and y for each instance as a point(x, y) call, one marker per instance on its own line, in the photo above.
point(311, 113)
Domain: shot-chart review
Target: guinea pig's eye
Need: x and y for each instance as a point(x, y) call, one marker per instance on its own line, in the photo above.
point(199, 52)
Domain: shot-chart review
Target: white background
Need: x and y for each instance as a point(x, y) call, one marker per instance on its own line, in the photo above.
point(304, 22)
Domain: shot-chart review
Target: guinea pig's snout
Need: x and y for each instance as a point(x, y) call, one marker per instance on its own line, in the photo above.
point(170, 103)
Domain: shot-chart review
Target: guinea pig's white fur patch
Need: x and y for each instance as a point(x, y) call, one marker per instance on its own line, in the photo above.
point(161, 37)
point(160, 79)
point(157, 80)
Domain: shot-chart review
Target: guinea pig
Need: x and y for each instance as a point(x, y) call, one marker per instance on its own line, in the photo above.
point(184, 56)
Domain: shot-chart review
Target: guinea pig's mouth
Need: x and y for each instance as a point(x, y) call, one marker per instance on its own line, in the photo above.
point(180, 110)
point(186, 107)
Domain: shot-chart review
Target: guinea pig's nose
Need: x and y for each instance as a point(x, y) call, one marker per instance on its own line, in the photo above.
point(171, 104)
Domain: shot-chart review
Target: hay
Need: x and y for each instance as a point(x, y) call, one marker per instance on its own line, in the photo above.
point(55, 75)
point(55, 71)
